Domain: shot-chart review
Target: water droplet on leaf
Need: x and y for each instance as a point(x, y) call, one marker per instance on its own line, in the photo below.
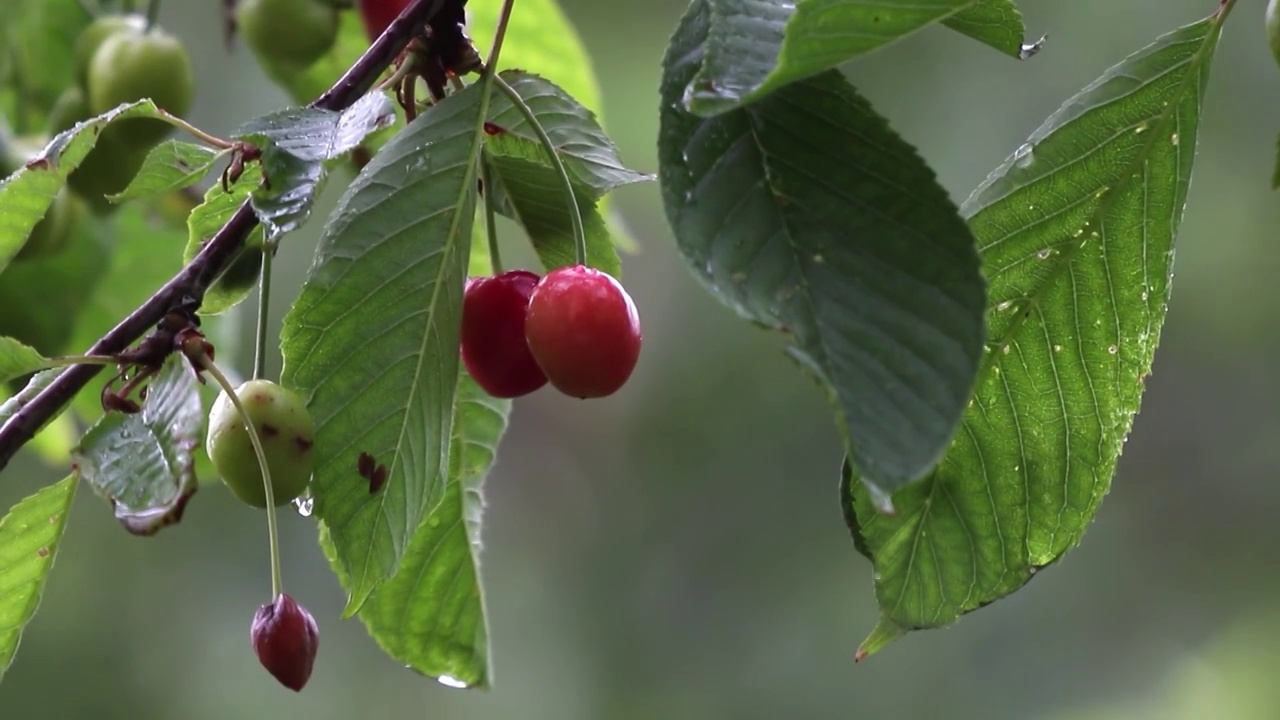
point(450, 681)
point(1024, 156)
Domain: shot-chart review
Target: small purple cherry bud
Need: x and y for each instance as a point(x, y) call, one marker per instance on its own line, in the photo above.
point(285, 638)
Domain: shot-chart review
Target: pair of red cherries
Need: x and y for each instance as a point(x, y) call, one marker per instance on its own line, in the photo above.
point(576, 328)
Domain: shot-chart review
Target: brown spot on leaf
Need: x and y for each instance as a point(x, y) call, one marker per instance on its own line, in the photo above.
point(39, 163)
point(493, 128)
point(269, 431)
point(43, 552)
point(365, 465)
point(378, 480)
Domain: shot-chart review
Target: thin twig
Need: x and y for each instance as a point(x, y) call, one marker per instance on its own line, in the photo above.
point(190, 282)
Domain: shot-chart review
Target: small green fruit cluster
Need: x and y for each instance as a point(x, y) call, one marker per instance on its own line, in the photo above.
point(287, 434)
point(287, 36)
point(119, 60)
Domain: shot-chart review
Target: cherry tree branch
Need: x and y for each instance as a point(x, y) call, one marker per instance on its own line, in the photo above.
point(190, 283)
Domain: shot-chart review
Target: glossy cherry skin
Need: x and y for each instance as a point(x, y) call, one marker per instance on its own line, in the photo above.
point(493, 345)
point(378, 14)
point(285, 639)
point(584, 331)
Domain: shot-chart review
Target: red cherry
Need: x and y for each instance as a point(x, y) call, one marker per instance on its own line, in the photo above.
point(378, 14)
point(493, 345)
point(285, 638)
point(584, 331)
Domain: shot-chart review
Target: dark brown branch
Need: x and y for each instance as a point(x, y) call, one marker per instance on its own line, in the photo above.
point(190, 283)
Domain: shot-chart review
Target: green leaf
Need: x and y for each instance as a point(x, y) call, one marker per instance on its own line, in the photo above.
point(755, 47)
point(1076, 231)
point(529, 190)
point(996, 23)
point(806, 213)
point(144, 463)
point(26, 194)
point(430, 615)
point(295, 143)
point(17, 359)
point(541, 36)
point(29, 538)
point(587, 153)
point(237, 281)
point(372, 340)
point(171, 165)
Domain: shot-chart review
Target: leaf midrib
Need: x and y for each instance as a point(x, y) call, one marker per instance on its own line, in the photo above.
point(1104, 206)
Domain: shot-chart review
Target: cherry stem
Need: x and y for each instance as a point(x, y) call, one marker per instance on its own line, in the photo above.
point(153, 13)
point(397, 74)
point(499, 36)
point(273, 532)
point(202, 136)
point(69, 360)
point(487, 79)
point(575, 213)
point(264, 304)
point(490, 215)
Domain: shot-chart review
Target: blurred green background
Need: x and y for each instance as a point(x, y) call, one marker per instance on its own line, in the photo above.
point(677, 550)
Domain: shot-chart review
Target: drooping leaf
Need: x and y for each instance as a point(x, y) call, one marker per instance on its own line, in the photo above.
point(588, 154)
point(29, 539)
point(755, 47)
point(996, 23)
point(26, 194)
point(144, 464)
point(295, 144)
point(372, 340)
point(171, 165)
point(541, 37)
point(529, 189)
point(238, 280)
point(17, 359)
point(1076, 231)
point(806, 213)
point(430, 615)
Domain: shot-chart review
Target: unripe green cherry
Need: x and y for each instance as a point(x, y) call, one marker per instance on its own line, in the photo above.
point(287, 435)
point(132, 66)
point(287, 36)
point(91, 38)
